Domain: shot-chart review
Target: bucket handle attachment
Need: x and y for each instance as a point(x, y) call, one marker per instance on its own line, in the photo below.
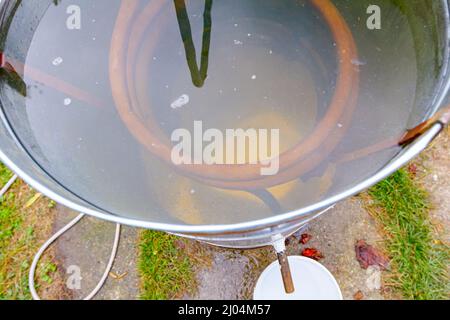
point(442, 117)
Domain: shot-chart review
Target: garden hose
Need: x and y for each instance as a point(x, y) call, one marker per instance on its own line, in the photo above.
point(7, 186)
point(49, 242)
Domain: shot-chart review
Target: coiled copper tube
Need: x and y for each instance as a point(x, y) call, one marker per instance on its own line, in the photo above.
point(128, 33)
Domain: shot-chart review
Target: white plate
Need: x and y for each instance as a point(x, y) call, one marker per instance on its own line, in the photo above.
point(312, 281)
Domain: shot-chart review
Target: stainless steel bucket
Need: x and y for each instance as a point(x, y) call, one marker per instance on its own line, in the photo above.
point(19, 19)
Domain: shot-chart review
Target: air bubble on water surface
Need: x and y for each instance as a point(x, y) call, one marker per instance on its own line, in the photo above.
point(357, 62)
point(57, 61)
point(180, 102)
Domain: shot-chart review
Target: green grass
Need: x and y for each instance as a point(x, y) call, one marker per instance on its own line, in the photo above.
point(419, 262)
point(165, 271)
point(10, 222)
point(5, 175)
point(18, 240)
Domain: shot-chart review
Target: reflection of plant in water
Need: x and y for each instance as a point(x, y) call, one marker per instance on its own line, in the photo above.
point(198, 75)
point(14, 80)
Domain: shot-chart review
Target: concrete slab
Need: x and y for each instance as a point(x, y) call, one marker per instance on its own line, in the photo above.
point(87, 247)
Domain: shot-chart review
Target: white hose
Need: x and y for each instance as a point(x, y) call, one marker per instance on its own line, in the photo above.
point(49, 242)
point(8, 185)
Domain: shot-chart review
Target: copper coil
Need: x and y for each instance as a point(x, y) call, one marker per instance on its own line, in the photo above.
point(129, 31)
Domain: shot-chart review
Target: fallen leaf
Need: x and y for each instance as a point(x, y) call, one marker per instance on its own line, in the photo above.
point(305, 238)
point(113, 275)
point(358, 295)
point(312, 254)
point(33, 200)
point(368, 256)
point(412, 169)
point(116, 276)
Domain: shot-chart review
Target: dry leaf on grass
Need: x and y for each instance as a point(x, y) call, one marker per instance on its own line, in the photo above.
point(305, 238)
point(368, 256)
point(33, 199)
point(312, 254)
point(358, 295)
